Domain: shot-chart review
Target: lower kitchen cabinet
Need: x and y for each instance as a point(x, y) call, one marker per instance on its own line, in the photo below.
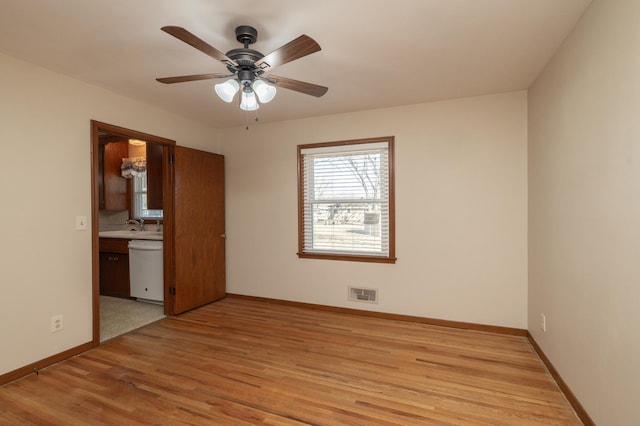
point(114, 268)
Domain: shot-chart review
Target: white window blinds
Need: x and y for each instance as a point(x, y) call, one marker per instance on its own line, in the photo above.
point(140, 209)
point(345, 193)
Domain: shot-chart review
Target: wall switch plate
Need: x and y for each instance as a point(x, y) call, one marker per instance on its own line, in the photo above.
point(543, 322)
point(56, 323)
point(81, 223)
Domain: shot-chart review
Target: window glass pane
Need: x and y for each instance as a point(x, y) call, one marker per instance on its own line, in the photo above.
point(345, 227)
point(140, 199)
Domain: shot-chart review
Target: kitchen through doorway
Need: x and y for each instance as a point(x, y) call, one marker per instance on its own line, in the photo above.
point(128, 224)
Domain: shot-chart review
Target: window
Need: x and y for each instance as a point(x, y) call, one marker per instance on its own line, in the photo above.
point(140, 198)
point(346, 200)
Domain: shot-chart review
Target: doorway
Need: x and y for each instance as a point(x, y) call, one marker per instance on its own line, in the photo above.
point(113, 204)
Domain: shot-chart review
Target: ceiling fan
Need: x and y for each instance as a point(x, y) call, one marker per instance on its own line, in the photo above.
point(247, 67)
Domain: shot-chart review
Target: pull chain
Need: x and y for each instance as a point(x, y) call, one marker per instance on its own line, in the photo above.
point(246, 121)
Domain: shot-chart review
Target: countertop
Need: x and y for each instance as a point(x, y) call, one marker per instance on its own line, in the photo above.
point(131, 235)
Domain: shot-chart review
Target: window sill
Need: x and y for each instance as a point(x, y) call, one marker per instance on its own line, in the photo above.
point(346, 257)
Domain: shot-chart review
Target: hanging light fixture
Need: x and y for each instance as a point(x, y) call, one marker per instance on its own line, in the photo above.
point(248, 100)
point(264, 92)
point(251, 93)
point(227, 90)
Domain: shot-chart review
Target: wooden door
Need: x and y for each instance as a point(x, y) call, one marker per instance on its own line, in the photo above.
point(199, 229)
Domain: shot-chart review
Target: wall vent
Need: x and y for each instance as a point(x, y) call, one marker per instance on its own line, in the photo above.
point(367, 295)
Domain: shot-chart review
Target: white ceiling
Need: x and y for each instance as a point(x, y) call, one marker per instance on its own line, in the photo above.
point(374, 54)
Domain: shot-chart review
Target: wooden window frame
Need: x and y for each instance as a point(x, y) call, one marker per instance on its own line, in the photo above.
point(391, 257)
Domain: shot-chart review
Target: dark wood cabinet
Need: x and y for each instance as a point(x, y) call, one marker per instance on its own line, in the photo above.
point(114, 267)
point(112, 188)
point(154, 176)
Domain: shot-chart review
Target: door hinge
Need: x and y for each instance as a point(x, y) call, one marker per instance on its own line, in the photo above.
point(171, 159)
point(172, 291)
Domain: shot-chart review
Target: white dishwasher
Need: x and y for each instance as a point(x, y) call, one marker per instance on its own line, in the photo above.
point(145, 270)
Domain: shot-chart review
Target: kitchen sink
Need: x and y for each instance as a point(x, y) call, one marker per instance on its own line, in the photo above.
point(131, 235)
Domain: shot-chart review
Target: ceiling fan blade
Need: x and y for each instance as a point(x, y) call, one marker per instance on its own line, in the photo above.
point(189, 38)
point(183, 78)
point(298, 86)
point(295, 49)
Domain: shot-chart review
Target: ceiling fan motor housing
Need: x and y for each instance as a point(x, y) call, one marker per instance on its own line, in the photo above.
point(245, 57)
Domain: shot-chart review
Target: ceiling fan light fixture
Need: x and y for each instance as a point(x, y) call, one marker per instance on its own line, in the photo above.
point(248, 101)
point(227, 90)
point(264, 91)
point(247, 66)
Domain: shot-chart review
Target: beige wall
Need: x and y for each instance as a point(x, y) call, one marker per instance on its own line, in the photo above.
point(461, 211)
point(584, 211)
point(45, 184)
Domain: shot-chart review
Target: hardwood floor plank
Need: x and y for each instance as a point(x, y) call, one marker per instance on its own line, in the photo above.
point(242, 361)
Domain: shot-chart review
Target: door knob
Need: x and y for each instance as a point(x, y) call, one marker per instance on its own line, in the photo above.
point(222, 235)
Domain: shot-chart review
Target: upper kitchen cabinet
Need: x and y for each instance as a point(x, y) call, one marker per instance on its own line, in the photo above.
point(112, 188)
point(154, 176)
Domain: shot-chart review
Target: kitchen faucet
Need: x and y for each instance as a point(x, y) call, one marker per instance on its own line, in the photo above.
point(139, 222)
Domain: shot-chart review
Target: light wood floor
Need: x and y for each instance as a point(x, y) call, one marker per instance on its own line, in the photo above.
point(246, 362)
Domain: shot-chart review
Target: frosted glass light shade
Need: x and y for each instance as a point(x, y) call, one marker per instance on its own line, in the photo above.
point(264, 92)
point(248, 101)
point(227, 90)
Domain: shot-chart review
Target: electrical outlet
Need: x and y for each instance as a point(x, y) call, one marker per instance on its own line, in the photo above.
point(81, 223)
point(543, 322)
point(56, 323)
